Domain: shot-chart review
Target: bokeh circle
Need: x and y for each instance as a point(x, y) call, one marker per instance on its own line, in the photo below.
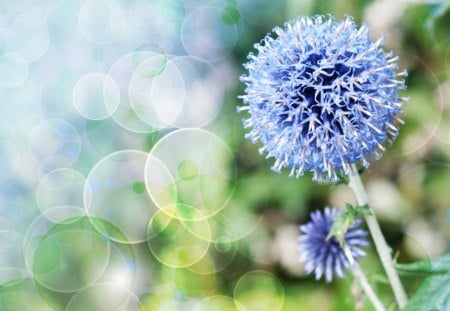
point(67, 256)
point(115, 191)
point(175, 242)
point(94, 298)
point(90, 94)
point(202, 167)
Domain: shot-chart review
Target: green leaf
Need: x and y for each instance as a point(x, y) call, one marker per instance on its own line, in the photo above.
point(339, 228)
point(433, 294)
point(343, 222)
point(434, 291)
point(437, 265)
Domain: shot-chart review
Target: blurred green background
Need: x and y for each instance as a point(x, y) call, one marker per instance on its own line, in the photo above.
point(126, 183)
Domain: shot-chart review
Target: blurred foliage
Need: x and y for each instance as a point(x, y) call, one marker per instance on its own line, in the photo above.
point(433, 293)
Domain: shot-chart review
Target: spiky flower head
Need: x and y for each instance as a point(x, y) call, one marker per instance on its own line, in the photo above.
point(321, 95)
point(324, 255)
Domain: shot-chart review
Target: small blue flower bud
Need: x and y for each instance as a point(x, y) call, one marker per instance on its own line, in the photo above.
point(323, 254)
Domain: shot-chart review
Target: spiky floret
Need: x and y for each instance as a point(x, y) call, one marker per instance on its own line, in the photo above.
point(321, 95)
point(323, 254)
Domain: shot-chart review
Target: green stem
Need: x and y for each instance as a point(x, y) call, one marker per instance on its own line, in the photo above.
point(359, 275)
point(368, 290)
point(384, 251)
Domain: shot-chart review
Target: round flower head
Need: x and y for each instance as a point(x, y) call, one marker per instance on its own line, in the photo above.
point(322, 254)
point(321, 95)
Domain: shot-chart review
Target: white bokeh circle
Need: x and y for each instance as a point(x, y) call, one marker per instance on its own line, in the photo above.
point(115, 192)
point(187, 92)
point(55, 143)
point(93, 298)
point(90, 94)
point(12, 73)
point(202, 168)
point(102, 21)
point(66, 256)
point(157, 99)
point(204, 33)
point(27, 39)
point(61, 188)
point(122, 71)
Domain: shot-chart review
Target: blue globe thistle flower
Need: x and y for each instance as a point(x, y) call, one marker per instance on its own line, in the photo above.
point(324, 255)
point(321, 95)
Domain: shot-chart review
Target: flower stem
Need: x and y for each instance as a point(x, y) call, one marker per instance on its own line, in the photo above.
point(384, 251)
point(365, 285)
point(367, 288)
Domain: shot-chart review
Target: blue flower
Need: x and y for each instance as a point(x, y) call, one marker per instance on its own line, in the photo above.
point(324, 255)
point(321, 96)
